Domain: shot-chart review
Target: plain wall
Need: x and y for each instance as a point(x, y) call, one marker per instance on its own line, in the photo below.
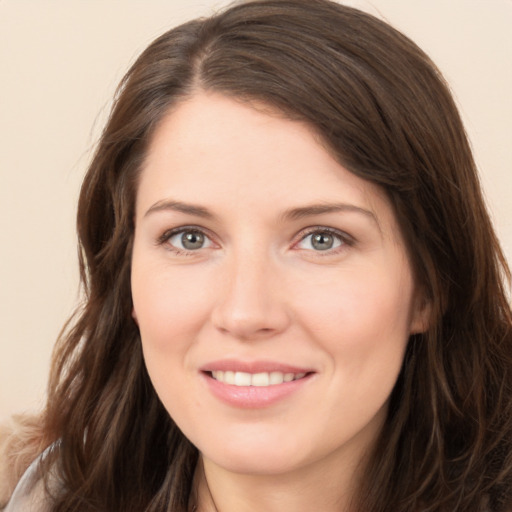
point(60, 61)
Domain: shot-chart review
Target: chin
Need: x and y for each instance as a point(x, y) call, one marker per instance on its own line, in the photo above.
point(257, 453)
point(251, 464)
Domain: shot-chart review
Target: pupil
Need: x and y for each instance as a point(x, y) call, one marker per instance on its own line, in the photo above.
point(192, 240)
point(322, 241)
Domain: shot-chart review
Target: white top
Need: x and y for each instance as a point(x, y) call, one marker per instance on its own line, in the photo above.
point(30, 493)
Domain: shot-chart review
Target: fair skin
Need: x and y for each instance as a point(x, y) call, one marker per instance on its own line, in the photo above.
point(255, 251)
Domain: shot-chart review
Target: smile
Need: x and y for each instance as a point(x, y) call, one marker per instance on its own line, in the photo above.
point(262, 379)
point(256, 384)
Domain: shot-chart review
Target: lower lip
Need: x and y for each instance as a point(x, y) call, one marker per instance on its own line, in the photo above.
point(254, 397)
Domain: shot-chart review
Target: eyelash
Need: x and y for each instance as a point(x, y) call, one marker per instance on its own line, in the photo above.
point(167, 235)
point(345, 239)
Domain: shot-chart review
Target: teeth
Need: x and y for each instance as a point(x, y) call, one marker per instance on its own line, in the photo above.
point(262, 379)
point(242, 379)
point(276, 378)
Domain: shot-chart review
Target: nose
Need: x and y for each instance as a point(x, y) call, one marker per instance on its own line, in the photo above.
point(252, 303)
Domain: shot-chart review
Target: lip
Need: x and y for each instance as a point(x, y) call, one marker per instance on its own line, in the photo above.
point(233, 365)
point(253, 397)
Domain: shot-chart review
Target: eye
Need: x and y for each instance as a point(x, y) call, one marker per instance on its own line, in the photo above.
point(322, 240)
point(187, 240)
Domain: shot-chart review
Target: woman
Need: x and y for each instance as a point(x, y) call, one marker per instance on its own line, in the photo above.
point(294, 295)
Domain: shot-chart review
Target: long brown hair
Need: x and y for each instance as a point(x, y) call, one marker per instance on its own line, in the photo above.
point(383, 110)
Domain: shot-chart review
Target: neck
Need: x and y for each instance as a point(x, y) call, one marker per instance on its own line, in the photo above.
point(328, 489)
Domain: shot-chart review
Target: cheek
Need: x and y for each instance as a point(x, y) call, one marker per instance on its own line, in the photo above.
point(361, 319)
point(170, 310)
point(358, 300)
point(167, 305)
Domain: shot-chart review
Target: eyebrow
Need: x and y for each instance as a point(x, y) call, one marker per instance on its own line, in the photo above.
point(325, 208)
point(289, 215)
point(178, 206)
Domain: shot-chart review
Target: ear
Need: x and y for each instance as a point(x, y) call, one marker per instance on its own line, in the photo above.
point(421, 315)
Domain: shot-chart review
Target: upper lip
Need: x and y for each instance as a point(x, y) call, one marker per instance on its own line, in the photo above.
point(252, 366)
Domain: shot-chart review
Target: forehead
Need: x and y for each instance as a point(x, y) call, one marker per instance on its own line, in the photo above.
point(223, 152)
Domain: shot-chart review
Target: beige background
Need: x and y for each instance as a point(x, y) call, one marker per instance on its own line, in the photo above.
point(60, 61)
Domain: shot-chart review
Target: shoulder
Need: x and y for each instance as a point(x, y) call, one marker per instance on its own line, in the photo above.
point(21, 442)
point(30, 494)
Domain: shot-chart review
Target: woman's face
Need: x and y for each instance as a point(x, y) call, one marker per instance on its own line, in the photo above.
point(271, 287)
